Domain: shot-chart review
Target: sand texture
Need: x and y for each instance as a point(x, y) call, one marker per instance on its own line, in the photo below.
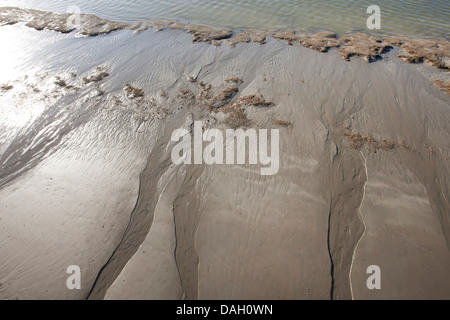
point(87, 178)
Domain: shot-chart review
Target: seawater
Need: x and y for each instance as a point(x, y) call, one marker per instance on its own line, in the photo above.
point(413, 18)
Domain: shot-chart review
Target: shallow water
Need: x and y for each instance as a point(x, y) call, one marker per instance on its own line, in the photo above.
point(414, 18)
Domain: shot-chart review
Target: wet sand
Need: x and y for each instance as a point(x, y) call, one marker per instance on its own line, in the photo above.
point(88, 180)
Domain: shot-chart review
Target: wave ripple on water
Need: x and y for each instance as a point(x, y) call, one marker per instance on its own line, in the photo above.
point(414, 18)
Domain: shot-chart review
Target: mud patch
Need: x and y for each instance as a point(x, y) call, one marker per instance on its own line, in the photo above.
point(255, 100)
point(258, 36)
point(363, 45)
point(224, 97)
point(133, 92)
point(443, 85)
point(98, 76)
point(283, 123)
point(240, 37)
point(433, 52)
point(234, 80)
point(90, 25)
point(321, 41)
point(6, 87)
point(237, 118)
point(368, 142)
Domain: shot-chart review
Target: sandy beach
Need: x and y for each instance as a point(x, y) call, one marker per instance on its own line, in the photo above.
point(87, 178)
